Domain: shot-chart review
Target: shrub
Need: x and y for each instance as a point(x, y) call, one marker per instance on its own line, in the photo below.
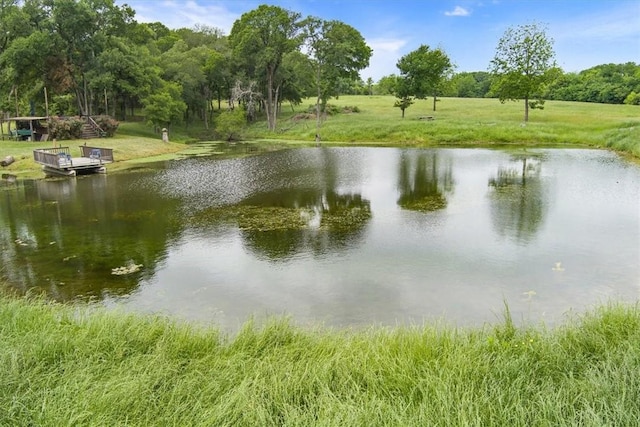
point(65, 128)
point(108, 124)
point(632, 99)
point(331, 109)
point(230, 124)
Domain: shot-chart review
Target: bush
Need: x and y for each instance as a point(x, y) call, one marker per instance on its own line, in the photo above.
point(65, 128)
point(230, 124)
point(632, 99)
point(331, 109)
point(107, 124)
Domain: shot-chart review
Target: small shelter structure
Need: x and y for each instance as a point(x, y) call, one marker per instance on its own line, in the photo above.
point(27, 128)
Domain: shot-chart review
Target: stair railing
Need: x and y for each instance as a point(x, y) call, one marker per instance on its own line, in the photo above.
point(96, 127)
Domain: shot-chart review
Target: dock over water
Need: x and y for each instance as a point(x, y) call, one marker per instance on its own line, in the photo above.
point(58, 161)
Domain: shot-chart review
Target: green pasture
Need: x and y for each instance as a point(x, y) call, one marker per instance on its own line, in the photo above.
point(68, 365)
point(466, 122)
point(458, 122)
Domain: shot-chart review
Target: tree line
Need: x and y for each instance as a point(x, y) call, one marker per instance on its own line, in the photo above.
point(606, 83)
point(91, 57)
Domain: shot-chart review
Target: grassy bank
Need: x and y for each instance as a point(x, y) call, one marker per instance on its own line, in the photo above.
point(458, 122)
point(127, 150)
point(467, 122)
point(62, 365)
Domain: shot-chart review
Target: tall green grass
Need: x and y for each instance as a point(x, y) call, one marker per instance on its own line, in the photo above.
point(65, 365)
point(467, 122)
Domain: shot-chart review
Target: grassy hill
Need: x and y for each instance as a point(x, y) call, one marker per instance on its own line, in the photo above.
point(464, 122)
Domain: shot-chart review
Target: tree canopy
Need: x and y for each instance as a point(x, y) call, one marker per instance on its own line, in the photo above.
point(337, 51)
point(425, 70)
point(523, 65)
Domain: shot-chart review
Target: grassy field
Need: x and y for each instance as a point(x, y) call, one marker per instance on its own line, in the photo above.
point(457, 122)
point(468, 122)
point(64, 365)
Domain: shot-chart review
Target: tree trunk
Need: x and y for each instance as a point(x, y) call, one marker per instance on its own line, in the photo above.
point(269, 104)
point(526, 109)
point(435, 99)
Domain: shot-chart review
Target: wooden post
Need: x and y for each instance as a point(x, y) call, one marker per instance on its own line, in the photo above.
point(106, 105)
point(46, 103)
point(15, 92)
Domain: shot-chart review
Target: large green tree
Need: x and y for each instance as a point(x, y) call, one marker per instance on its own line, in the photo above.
point(260, 39)
point(337, 51)
point(523, 65)
point(426, 70)
point(123, 75)
point(64, 40)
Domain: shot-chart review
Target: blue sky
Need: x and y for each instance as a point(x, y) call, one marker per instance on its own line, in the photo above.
point(585, 32)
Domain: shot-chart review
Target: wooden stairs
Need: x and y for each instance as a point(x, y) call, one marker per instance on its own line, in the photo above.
point(90, 129)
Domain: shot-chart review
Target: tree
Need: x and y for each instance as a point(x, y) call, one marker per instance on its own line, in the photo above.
point(523, 65)
point(387, 85)
point(402, 91)
point(369, 86)
point(338, 51)
point(230, 123)
point(123, 74)
point(425, 70)
point(470, 84)
point(260, 39)
point(165, 106)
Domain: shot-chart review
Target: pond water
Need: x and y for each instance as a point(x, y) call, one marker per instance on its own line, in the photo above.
point(345, 237)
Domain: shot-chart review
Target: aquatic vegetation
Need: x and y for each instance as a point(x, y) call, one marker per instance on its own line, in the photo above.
point(429, 203)
point(271, 218)
point(126, 269)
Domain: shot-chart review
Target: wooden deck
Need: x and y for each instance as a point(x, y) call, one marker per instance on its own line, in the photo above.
point(59, 162)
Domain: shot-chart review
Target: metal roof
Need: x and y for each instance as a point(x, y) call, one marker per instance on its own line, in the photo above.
point(20, 119)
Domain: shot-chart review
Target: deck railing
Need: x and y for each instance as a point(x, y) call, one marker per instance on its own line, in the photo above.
point(102, 154)
point(52, 156)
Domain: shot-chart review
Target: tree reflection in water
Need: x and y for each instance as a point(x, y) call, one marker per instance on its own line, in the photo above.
point(518, 199)
point(65, 237)
point(423, 185)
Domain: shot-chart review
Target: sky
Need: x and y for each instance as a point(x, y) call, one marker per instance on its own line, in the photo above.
point(585, 32)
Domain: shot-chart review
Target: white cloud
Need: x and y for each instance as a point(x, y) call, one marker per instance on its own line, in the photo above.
point(458, 11)
point(386, 52)
point(184, 14)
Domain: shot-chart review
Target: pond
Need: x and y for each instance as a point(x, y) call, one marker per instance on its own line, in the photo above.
point(345, 237)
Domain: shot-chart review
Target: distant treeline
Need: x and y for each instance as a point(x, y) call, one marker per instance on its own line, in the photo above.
point(606, 83)
point(91, 57)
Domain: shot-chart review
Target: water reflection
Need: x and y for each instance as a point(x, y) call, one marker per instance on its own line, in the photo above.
point(348, 236)
point(66, 236)
point(329, 222)
point(518, 198)
point(423, 181)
